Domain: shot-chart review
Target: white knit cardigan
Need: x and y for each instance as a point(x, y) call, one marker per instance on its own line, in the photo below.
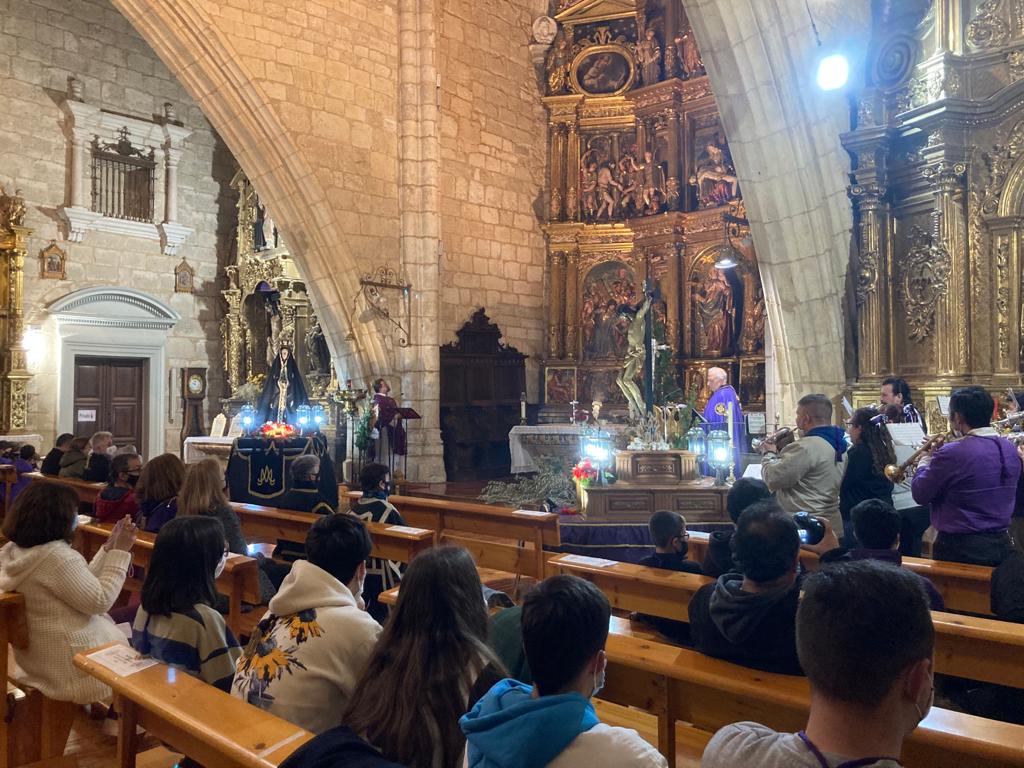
point(66, 601)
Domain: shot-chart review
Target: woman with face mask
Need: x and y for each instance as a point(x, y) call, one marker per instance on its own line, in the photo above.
point(118, 499)
point(177, 623)
point(66, 598)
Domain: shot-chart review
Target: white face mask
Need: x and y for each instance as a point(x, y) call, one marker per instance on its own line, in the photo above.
point(922, 713)
point(220, 567)
point(598, 682)
point(111, 450)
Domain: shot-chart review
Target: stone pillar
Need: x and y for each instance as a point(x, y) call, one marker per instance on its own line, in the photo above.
point(556, 290)
point(79, 138)
point(951, 336)
point(572, 174)
point(572, 320)
point(171, 158)
point(871, 287)
point(557, 184)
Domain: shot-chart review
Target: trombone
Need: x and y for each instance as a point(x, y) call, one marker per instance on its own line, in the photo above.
point(898, 473)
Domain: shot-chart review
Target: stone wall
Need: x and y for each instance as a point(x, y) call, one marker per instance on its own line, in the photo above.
point(493, 170)
point(42, 42)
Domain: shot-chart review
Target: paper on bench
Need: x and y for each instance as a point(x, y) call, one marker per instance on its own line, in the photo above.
point(594, 562)
point(407, 529)
point(530, 512)
point(86, 520)
point(122, 660)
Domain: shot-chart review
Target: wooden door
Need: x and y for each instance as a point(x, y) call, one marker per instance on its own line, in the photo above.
point(109, 397)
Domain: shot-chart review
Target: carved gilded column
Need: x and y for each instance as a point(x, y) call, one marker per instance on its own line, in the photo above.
point(556, 290)
point(672, 185)
point(871, 282)
point(671, 293)
point(641, 137)
point(572, 174)
point(14, 376)
point(558, 143)
point(1005, 260)
point(952, 336)
point(572, 319)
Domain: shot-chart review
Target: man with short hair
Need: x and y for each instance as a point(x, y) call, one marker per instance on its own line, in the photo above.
point(565, 627)
point(718, 557)
point(97, 465)
point(311, 646)
point(866, 641)
point(971, 484)
point(51, 464)
point(806, 474)
point(671, 543)
point(373, 507)
point(748, 617)
point(118, 500)
point(877, 525)
point(303, 494)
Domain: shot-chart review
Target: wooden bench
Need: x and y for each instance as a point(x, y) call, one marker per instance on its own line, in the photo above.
point(681, 685)
point(268, 524)
point(965, 646)
point(33, 728)
point(87, 492)
point(487, 531)
point(489, 577)
point(212, 727)
point(963, 587)
point(239, 582)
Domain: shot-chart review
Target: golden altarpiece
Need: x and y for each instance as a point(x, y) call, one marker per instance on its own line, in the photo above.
point(13, 374)
point(938, 189)
point(267, 308)
point(642, 191)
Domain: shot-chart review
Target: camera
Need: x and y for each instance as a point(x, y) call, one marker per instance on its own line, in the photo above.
point(811, 530)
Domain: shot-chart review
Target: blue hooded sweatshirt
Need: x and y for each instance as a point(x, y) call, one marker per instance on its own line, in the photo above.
point(508, 728)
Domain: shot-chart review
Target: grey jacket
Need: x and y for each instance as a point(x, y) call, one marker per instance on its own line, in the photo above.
point(805, 477)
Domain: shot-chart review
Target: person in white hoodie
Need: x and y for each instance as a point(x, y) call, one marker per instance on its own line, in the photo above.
point(306, 655)
point(66, 599)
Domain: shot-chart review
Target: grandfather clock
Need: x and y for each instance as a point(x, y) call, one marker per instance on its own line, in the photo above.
point(193, 393)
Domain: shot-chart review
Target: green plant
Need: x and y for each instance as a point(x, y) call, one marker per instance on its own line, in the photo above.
point(362, 438)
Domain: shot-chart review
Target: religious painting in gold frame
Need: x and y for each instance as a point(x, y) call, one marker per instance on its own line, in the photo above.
point(559, 384)
point(184, 278)
point(52, 262)
point(603, 70)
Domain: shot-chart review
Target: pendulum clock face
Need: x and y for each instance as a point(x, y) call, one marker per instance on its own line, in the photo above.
point(193, 393)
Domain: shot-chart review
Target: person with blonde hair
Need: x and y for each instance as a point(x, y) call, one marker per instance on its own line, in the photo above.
point(159, 483)
point(203, 493)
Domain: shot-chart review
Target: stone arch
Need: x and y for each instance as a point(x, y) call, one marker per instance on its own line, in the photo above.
point(784, 137)
point(200, 55)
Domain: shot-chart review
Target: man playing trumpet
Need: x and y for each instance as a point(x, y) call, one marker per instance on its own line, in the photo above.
point(970, 483)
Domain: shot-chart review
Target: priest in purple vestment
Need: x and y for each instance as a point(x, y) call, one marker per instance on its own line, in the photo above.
point(716, 412)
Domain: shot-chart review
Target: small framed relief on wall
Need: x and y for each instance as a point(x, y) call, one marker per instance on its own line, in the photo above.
point(52, 260)
point(184, 278)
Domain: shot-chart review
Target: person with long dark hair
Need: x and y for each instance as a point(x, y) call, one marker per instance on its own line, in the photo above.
point(871, 452)
point(178, 623)
point(431, 664)
point(159, 484)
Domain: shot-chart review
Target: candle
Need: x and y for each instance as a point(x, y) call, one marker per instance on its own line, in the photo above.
point(729, 418)
point(522, 407)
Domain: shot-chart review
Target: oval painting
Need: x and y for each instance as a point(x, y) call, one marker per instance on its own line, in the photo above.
point(603, 72)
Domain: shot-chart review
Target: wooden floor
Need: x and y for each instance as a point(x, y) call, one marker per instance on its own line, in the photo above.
point(92, 749)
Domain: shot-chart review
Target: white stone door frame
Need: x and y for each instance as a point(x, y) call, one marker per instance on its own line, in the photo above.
point(111, 321)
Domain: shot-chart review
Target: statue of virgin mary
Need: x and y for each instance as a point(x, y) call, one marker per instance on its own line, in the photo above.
point(283, 390)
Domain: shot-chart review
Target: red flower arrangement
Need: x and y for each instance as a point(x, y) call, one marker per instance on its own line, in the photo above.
point(275, 429)
point(584, 472)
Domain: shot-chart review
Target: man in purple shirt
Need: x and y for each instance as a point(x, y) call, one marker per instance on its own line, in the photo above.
point(971, 484)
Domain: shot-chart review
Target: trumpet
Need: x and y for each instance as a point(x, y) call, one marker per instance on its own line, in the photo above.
point(898, 473)
point(774, 438)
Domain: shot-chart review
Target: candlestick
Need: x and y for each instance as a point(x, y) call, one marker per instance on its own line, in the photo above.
point(732, 447)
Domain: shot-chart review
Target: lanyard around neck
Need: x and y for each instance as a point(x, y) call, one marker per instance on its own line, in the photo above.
point(864, 761)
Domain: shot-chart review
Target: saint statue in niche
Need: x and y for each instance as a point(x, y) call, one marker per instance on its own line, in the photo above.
point(557, 65)
point(648, 53)
point(715, 311)
point(693, 65)
point(715, 175)
point(316, 349)
point(283, 390)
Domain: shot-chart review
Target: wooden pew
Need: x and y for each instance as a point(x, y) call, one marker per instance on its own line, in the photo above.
point(87, 492)
point(390, 542)
point(239, 581)
point(485, 530)
point(212, 727)
point(681, 685)
point(33, 728)
point(965, 646)
point(963, 587)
